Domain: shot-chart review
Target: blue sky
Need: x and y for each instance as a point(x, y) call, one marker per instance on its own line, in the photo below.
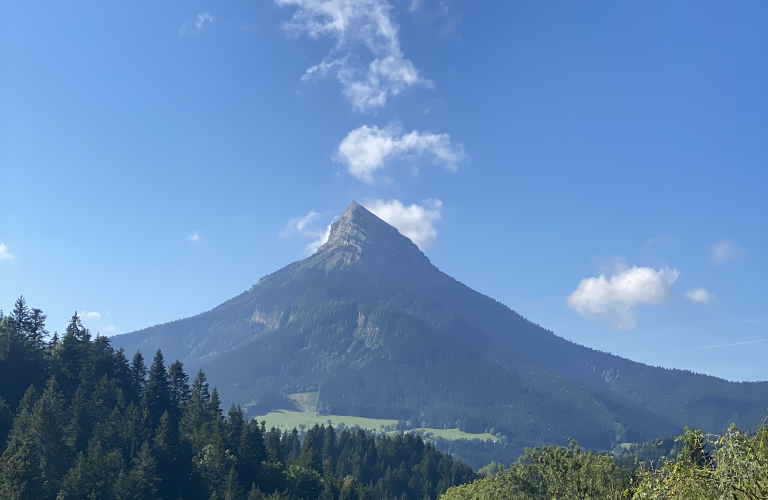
point(601, 167)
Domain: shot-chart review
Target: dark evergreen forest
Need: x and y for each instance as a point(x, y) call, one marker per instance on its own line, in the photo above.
point(78, 420)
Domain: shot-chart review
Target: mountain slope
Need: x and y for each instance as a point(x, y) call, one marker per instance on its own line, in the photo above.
point(373, 326)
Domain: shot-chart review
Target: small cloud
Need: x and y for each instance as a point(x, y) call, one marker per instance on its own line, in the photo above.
point(297, 225)
point(197, 24)
point(306, 226)
point(417, 222)
point(662, 240)
point(194, 237)
point(5, 253)
point(617, 296)
point(90, 315)
point(724, 251)
point(743, 321)
point(432, 103)
point(416, 5)
point(699, 295)
point(370, 148)
point(734, 344)
point(111, 328)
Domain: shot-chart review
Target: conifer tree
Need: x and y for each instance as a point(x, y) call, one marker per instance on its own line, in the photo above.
point(138, 374)
point(157, 392)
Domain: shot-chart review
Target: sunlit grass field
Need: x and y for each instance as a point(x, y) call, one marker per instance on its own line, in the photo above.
point(287, 420)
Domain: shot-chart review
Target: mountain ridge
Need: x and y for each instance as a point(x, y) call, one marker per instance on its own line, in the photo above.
point(335, 322)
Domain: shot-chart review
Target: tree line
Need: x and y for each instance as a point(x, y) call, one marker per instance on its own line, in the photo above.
point(78, 420)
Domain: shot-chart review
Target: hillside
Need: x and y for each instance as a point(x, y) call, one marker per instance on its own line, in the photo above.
point(375, 329)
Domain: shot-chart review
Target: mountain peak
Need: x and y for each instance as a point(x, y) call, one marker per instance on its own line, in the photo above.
point(359, 232)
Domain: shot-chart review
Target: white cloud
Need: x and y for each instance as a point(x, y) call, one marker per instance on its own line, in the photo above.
point(5, 253)
point(370, 148)
point(111, 328)
point(202, 19)
point(414, 221)
point(305, 226)
point(352, 23)
point(723, 251)
point(699, 295)
point(198, 23)
point(194, 237)
point(618, 295)
point(298, 225)
point(90, 315)
point(318, 240)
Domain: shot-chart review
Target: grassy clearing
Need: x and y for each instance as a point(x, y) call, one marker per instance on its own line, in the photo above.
point(626, 446)
point(288, 420)
point(455, 434)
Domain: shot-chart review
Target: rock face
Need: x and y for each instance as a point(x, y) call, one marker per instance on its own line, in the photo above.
point(375, 329)
point(361, 237)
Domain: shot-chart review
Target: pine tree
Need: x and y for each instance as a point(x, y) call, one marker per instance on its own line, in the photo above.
point(251, 452)
point(76, 483)
point(138, 374)
point(157, 392)
point(17, 467)
point(143, 478)
point(179, 389)
point(231, 489)
point(196, 425)
point(35, 459)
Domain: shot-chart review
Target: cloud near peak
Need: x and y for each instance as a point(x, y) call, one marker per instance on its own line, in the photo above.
point(417, 222)
point(616, 296)
point(5, 253)
point(354, 23)
point(369, 148)
point(307, 227)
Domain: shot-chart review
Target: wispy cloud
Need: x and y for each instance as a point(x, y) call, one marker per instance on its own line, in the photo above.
point(90, 315)
point(197, 24)
point(5, 253)
point(734, 344)
point(193, 237)
point(417, 222)
point(723, 251)
point(308, 227)
point(741, 321)
point(699, 295)
point(298, 225)
point(615, 297)
point(111, 328)
point(369, 148)
point(354, 23)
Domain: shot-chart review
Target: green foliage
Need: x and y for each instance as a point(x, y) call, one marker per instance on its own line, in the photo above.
point(733, 466)
point(547, 473)
point(101, 428)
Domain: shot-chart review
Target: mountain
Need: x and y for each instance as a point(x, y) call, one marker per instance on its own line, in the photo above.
point(375, 329)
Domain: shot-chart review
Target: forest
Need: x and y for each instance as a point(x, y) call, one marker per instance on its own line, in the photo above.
point(78, 420)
